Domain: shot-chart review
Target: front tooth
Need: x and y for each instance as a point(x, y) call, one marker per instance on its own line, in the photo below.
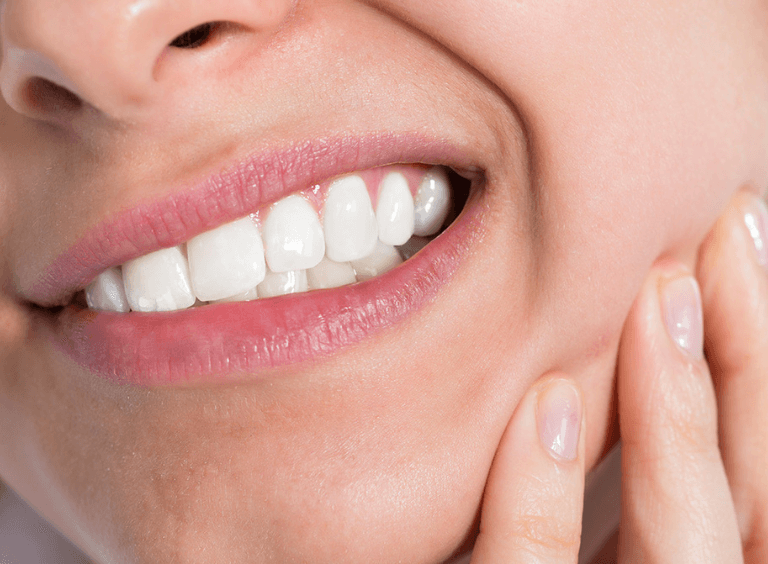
point(107, 292)
point(350, 225)
point(395, 212)
point(226, 261)
point(330, 274)
point(293, 235)
point(433, 202)
point(382, 259)
point(158, 281)
point(281, 283)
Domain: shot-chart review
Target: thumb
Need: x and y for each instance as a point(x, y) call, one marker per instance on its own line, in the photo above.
point(533, 499)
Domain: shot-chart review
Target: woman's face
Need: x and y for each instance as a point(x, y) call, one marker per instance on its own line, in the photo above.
point(355, 424)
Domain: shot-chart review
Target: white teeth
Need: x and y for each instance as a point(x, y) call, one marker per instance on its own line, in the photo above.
point(281, 283)
point(395, 211)
point(329, 274)
point(247, 296)
point(433, 202)
point(383, 259)
point(226, 261)
point(158, 281)
point(231, 263)
point(106, 292)
point(350, 225)
point(293, 235)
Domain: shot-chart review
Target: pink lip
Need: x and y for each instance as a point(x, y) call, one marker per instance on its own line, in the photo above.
point(242, 341)
point(235, 192)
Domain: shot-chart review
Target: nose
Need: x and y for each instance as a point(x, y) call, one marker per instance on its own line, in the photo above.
point(111, 54)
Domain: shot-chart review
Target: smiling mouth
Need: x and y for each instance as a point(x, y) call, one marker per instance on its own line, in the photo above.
point(306, 273)
point(329, 236)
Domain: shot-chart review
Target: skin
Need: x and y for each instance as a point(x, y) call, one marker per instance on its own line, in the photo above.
point(681, 416)
point(611, 135)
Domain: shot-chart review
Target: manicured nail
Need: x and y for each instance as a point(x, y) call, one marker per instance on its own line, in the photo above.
point(559, 414)
point(681, 302)
point(756, 220)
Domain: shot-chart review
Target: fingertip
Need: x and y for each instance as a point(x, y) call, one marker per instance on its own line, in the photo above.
point(665, 324)
point(668, 418)
point(668, 315)
point(681, 306)
point(755, 217)
point(560, 418)
point(738, 241)
point(664, 387)
point(534, 495)
point(734, 281)
point(732, 268)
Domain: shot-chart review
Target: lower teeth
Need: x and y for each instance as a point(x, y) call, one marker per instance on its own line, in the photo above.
point(329, 274)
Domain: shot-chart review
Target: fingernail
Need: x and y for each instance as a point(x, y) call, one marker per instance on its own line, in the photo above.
point(681, 301)
point(756, 220)
point(559, 414)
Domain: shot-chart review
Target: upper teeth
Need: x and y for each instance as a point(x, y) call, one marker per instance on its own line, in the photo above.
point(433, 203)
point(293, 235)
point(294, 252)
point(225, 261)
point(395, 210)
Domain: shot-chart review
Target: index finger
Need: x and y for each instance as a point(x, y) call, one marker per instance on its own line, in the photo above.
point(533, 500)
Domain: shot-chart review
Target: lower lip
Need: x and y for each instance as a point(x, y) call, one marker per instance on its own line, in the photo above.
point(236, 342)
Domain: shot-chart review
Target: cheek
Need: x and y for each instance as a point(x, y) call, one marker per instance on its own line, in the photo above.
point(637, 135)
point(629, 163)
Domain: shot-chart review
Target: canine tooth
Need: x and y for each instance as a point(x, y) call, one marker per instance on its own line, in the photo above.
point(330, 274)
point(350, 225)
point(433, 202)
point(247, 296)
point(158, 281)
point(413, 246)
point(107, 292)
point(226, 261)
point(395, 210)
point(281, 283)
point(293, 236)
point(382, 259)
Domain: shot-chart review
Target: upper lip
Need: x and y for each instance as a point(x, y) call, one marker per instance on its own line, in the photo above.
point(237, 190)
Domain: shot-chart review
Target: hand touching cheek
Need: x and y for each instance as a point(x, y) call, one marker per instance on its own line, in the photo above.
point(694, 429)
point(533, 498)
point(734, 285)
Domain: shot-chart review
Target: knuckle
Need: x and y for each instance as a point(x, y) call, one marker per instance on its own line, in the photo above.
point(546, 534)
point(684, 413)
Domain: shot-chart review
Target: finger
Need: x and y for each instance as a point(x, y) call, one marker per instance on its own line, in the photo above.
point(533, 499)
point(676, 505)
point(732, 272)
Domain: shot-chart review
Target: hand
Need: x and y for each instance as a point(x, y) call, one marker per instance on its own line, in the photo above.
point(694, 430)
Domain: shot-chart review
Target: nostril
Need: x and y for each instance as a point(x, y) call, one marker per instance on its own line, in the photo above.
point(48, 97)
point(195, 37)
